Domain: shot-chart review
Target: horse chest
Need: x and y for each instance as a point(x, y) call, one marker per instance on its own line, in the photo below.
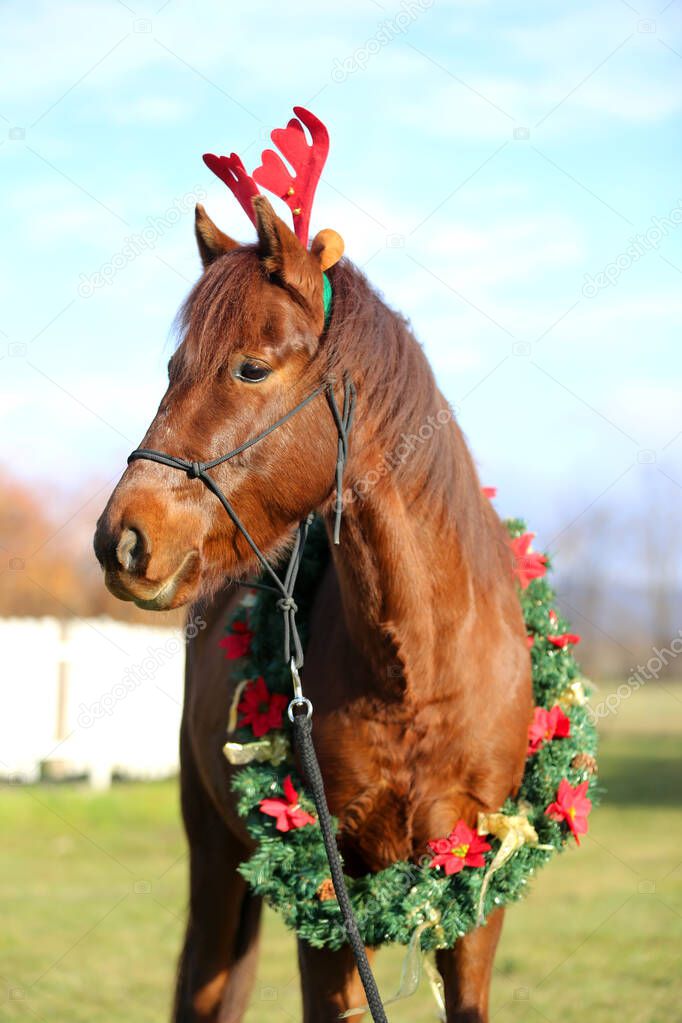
point(385, 786)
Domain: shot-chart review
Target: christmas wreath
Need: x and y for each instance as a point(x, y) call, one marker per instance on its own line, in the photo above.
point(468, 872)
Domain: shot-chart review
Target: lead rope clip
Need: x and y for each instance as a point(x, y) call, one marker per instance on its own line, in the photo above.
point(299, 699)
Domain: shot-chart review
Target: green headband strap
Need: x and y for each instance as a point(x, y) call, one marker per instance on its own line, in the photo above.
point(326, 299)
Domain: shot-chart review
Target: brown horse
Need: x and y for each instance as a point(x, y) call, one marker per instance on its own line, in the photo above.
point(417, 663)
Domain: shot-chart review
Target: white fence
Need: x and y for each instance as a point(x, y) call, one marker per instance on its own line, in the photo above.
point(90, 697)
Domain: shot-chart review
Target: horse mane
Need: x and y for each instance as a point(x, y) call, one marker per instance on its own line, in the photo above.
point(375, 344)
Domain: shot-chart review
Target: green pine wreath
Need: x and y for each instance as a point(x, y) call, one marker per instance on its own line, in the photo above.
point(289, 869)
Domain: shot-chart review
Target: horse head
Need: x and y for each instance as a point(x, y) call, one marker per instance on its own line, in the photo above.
point(252, 348)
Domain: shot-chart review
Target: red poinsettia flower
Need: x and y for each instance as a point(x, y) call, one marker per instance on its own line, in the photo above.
point(572, 806)
point(547, 725)
point(529, 641)
point(489, 492)
point(260, 708)
point(288, 811)
point(237, 642)
point(563, 640)
point(463, 847)
point(528, 564)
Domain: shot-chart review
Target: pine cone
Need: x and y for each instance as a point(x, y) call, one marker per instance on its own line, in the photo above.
point(584, 762)
point(326, 890)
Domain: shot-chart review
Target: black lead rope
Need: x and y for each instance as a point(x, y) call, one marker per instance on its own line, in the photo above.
point(303, 726)
point(300, 708)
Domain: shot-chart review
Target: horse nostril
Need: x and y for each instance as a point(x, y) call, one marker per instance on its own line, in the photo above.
point(131, 549)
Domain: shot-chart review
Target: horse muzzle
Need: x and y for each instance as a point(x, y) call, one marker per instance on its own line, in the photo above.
point(133, 571)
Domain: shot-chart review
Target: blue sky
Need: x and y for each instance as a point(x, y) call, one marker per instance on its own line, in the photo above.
point(485, 158)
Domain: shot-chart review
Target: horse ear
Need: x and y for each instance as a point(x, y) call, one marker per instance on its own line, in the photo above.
point(210, 239)
point(285, 258)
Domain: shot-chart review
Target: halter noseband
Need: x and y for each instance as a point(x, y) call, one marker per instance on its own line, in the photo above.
point(343, 420)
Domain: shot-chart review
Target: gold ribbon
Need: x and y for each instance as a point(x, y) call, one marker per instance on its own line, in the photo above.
point(437, 988)
point(273, 749)
point(573, 695)
point(513, 832)
point(234, 706)
point(411, 970)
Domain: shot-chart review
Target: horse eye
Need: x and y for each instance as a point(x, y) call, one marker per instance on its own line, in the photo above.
point(252, 372)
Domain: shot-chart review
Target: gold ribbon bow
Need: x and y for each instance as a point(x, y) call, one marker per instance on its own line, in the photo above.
point(573, 695)
point(513, 832)
point(273, 749)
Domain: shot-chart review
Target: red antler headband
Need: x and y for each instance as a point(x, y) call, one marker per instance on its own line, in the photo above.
point(296, 190)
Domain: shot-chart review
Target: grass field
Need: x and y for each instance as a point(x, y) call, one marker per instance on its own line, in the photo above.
point(93, 888)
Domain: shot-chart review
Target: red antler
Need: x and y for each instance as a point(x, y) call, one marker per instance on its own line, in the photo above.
point(296, 190)
point(232, 171)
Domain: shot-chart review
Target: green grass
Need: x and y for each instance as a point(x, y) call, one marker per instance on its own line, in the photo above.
point(93, 888)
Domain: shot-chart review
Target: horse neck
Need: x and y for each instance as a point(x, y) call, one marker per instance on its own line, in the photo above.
point(405, 563)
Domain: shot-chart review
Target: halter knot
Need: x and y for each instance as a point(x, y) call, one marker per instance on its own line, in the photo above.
point(194, 470)
point(287, 604)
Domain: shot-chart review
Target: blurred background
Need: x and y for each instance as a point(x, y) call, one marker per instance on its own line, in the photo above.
point(508, 176)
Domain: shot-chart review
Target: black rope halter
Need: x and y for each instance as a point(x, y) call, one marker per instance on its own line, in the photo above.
point(343, 420)
point(300, 708)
